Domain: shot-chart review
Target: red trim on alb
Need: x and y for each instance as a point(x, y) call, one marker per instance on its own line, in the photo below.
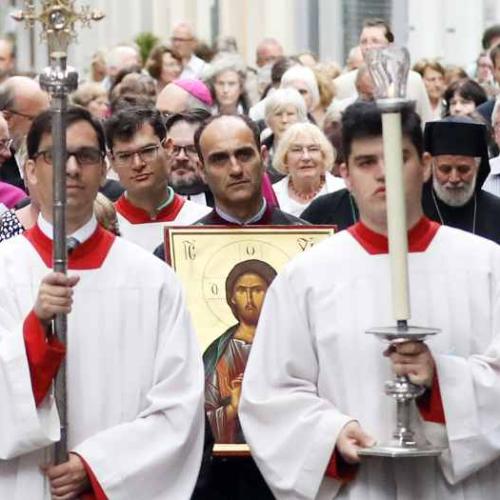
point(419, 237)
point(339, 469)
point(44, 354)
point(137, 215)
point(97, 492)
point(89, 255)
point(430, 405)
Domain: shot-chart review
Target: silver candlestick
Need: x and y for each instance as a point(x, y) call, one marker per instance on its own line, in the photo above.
point(404, 443)
point(389, 71)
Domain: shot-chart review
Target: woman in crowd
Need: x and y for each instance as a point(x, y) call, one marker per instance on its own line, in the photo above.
point(226, 78)
point(93, 97)
point(284, 107)
point(433, 76)
point(326, 95)
point(463, 97)
point(303, 79)
point(164, 65)
point(306, 157)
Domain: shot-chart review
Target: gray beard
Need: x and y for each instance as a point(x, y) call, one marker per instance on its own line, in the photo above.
point(188, 186)
point(457, 197)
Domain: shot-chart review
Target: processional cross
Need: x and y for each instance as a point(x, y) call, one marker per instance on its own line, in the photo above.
point(58, 18)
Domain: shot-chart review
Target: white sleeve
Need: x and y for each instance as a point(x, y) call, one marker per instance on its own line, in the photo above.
point(158, 455)
point(24, 427)
point(290, 429)
point(470, 391)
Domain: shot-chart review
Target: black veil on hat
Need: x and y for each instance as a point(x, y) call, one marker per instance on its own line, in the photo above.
point(461, 136)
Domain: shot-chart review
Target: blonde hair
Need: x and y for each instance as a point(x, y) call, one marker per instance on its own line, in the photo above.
point(87, 92)
point(327, 150)
point(105, 213)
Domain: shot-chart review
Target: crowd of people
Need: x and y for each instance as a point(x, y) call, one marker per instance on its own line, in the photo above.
point(194, 135)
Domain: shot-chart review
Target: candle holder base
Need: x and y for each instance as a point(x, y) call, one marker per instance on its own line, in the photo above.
point(402, 333)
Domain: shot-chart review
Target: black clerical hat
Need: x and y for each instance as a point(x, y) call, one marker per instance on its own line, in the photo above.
point(458, 135)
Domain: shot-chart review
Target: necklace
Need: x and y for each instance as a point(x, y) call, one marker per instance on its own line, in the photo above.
point(306, 196)
point(441, 217)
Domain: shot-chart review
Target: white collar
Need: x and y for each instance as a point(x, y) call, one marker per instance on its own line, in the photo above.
point(82, 234)
point(495, 165)
point(251, 220)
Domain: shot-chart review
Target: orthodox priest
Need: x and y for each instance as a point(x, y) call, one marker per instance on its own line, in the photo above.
point(312, 393)
point(134, 374)
point(454, 196)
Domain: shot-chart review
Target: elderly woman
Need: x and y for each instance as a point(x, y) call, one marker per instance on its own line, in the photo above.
point(463, 97)
point(93, 97)
point(284, 107)
point(306, 157)
point(304, 80)
point(164, 65)
point(226, 78)
point(433, 76)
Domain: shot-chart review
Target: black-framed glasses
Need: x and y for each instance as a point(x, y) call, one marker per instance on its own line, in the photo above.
point(83, 156)
point(188, 149)
point(147, 154)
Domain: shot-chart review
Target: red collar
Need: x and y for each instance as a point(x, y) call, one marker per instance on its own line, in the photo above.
point(419, 237)
point(89, 255)
point(136, 215)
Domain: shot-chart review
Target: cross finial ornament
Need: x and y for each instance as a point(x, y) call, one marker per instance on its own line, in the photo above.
point(58, 18)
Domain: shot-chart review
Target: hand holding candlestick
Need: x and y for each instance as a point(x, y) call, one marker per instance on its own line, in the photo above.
point(389, 70)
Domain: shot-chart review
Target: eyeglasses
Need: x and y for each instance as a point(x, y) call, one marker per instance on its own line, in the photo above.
point(23, 115)
point(298, 150)
point(6, 144)
point(147, 154)
point(83, 156)
point(189, 150)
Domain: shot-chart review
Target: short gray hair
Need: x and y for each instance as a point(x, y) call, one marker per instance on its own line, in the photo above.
point(317, 136)
point(303, 74)
point(225, 62)
point(281, 98)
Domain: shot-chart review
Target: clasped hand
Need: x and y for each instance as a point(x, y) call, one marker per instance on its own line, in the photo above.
point(414, 360)
point(67, 480)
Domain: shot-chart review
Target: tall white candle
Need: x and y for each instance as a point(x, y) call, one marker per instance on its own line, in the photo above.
point(396, 214)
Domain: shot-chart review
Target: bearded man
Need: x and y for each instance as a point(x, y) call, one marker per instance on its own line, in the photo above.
point(460, 165)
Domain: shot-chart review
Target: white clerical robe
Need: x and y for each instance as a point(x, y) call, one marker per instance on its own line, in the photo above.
point(137, 226)
point(134, 374)
point(313, 368)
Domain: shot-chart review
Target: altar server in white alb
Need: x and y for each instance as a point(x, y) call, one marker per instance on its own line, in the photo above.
point(313, 388)
point(134, 373)
point(136, 140)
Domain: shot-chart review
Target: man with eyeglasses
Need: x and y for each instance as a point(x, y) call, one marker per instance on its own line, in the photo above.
point(21, 100)
point(136, 142)
point(184, 42)
point(134, 374)
point(184, 166)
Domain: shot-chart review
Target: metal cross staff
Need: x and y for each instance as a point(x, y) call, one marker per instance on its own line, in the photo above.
point(58, 18)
